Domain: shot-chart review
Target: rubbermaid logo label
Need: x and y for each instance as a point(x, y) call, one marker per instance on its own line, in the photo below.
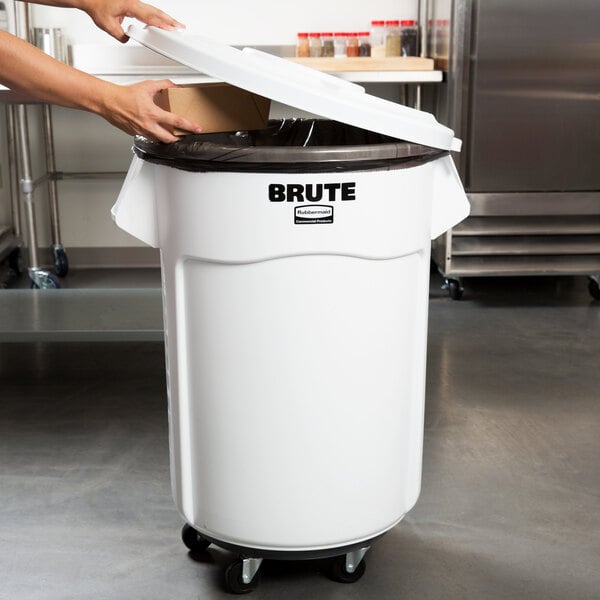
point(313, 215)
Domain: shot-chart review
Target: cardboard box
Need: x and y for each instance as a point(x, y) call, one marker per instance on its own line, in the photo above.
point(216, 107)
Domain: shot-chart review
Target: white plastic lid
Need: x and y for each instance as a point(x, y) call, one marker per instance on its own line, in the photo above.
point(298, 86)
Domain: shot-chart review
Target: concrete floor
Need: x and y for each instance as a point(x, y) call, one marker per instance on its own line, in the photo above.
point(91, 305)
point(510, 505)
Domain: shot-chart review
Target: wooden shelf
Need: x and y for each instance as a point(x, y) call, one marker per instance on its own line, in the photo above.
point(362, 64)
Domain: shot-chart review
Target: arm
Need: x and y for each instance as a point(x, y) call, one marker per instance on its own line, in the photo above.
point(131, 108)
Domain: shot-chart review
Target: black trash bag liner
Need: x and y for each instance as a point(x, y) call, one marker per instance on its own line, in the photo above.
point(289, 146)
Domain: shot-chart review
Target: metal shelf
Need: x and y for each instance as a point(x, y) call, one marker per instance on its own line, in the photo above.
point(525, 245)
point(531, 233)
point(550, 225)
point(491, 266)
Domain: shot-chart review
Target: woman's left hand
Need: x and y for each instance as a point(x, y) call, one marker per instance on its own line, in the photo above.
point(109, 14)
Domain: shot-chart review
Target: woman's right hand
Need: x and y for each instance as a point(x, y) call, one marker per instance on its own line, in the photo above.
point(132, 109)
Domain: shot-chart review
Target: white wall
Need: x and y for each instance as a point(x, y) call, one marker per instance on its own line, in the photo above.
point(85, 142)
point(249, 22)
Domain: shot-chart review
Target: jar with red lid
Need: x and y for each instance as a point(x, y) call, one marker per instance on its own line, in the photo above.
point(377, 39)
point(315, 46)
point(442, 38)
point(409, 38)
point(339, 45)
point(392, 38)
point(352, 45)
point(364, 44)
point(327, 42)
point(302, 46)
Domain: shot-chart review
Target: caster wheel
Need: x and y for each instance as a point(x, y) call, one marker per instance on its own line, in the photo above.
point(455, 289)
point(594, 288)
point(193, 540)
point(43, 280)
point(234, 584)
point(15, 261)
point(61, 262)
point(341, 575)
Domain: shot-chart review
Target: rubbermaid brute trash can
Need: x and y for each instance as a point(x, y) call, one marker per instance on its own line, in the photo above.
point(295, 265)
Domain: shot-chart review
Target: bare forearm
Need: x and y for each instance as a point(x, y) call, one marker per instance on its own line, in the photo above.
point(27, 69)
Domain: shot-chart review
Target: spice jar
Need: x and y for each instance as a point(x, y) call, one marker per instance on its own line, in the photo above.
point(352, 45)
point(327, 42)
point(302, 46)
point(377, 39)
point(392, 38)
point(315, 44)
point(364, 44)
point(409, 36)
point(445, 38)
point(339, 45)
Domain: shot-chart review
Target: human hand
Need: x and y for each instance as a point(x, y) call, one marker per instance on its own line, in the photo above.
point(109, 14)
point(132, 109)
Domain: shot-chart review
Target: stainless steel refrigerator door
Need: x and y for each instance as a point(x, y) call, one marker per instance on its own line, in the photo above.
point(535, 103)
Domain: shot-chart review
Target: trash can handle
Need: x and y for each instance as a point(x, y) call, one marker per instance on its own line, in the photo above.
point(450, 204)
point(135, 208)
point(311, 76)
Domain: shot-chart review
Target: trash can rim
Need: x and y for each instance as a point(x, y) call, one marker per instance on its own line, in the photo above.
point(293, 141)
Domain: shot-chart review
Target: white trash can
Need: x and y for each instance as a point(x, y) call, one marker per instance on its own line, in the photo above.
point(295, 265)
